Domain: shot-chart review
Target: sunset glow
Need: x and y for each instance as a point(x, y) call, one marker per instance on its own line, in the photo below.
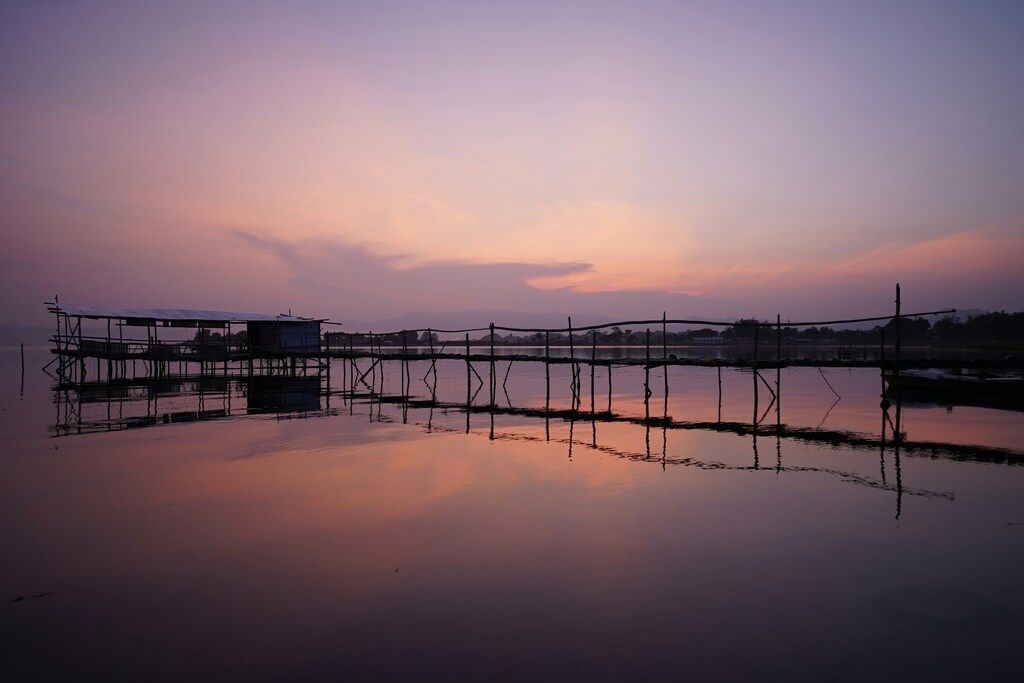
point(259, 155)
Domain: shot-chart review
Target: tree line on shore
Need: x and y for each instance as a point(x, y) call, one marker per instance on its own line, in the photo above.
point(988, 328)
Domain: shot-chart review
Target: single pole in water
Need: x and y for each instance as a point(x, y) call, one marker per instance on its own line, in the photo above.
point(494, 386)
point(373, 363)
point(22, 368)
point(719, 393)
point(547, 371)
point(664, 356)
point(647, 381)
point(572, 368)
point(110, 362)
point(433, 364)
point(778, 369)
point(493, 379)
point(355, 366)
point(899, 324)
point(345, 398)
point(593, 357)
point(756, 375)
point(547, 385)
point(81, 356)
point(469, 383)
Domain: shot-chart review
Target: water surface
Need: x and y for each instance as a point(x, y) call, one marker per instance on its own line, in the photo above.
point(290, 534)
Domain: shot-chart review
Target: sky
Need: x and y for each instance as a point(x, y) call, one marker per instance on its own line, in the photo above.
point(366, 160)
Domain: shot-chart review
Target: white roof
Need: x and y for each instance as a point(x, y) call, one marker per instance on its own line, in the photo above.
point(172, 314)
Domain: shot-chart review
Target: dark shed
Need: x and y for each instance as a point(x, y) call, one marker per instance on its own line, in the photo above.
point(284, 336)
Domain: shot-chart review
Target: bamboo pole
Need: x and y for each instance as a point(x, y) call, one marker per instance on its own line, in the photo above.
point(547, 371)
point(664, 357)
point(593, 357)
point(547, 386)
point(899, 335)
point(647, 378)
point(433, 361)
point(492, 378)
point(572, 368)
point(81, 357)
point(757, 329)
point(110, 362)
point(719, 393)
point(405, 364)
point(778, 369)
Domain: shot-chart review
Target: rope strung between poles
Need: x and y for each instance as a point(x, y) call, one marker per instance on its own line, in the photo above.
point(657, 321)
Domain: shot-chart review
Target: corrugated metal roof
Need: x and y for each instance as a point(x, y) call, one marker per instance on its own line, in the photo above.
point(172, 314)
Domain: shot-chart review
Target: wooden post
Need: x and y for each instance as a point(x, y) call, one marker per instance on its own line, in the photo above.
point(719, 393)
point(593, 357)
point(899, 337)
point(469, 383)
point(110, 362)
point(157, 365)
point(354, 366)
point(493, 379)
point(433, 364)
point(81, 358)
point(757, 329)
point(778, 369)
point(647, 379)
point(373, 366)
point(405, 365)
point(344, 375)
point(664, 356)
point(572, 368)
point(547, 385)
point(22, 368)
point(494, 386)
point(547, 371)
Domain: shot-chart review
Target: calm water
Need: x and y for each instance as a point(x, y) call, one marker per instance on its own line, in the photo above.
point(285, 538)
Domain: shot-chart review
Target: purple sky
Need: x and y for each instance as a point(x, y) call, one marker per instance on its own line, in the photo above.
point(361, 161)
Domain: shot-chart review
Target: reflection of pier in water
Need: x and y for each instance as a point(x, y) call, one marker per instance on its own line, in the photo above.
point(366, 385)
point(185, 398)
point(216, 396)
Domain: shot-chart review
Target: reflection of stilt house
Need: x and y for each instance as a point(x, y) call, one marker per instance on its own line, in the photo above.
point(154, 337)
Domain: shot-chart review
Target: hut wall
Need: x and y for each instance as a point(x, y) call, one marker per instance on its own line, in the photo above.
point(284, 336)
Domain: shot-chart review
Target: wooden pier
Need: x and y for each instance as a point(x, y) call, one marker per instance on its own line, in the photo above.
point(221, 340)
point(282, 365)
